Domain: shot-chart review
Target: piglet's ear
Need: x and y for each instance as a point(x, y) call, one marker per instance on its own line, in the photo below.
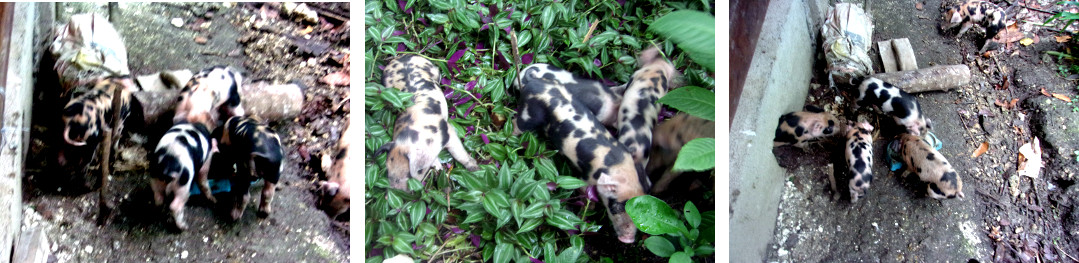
point(606, 184)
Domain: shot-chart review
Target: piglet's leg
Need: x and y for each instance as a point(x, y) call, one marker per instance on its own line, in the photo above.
point(158, 187)
point(457, 150)
point(203, 182)
point(267, 198)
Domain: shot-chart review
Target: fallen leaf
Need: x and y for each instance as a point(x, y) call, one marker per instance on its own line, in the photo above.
point(1062, 97)
point(1062, 39)
point(1026, 41)
point(1010, 34)
point(1032, 152)
point(981, 150)
point(918, 6)
point(308, 30)
point(1046, 93)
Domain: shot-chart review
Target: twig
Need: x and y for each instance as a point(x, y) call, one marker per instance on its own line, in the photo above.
point(422, 55)
point(967, 130)
point(1036, 9)
point(590, 30)
point(104, 211)
point(328, 13)
point(1064, 252)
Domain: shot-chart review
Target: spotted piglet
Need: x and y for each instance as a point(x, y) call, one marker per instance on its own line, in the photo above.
point(802, 127)
point(971, 12)
point(860, 159)
point(639, 109)
point(248, 151)
point(580, 136)
point(89, 115)
point(930, 166)
point(422, 130)
point(209, 94)
point(670, 136)
point(600, 99)
point(181, 156)
point(334, 195)
point(895, 102)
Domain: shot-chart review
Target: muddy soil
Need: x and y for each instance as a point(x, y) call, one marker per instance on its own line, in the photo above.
point(1004, 217)
point(265, 44)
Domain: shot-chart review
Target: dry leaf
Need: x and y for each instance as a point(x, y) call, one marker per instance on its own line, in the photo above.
point(1026, 41)
point(1033, 155)
point(1010, 34)
point(1062, 97)
point(1062, 39)
point(1046, 93)
point(340, 78)
point(981, 150)
point(918, 6)
point(308, 30)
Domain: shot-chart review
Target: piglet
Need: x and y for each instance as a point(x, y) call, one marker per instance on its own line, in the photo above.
point(182, 155)
point(931, 167)
point(859, 157)
point(802, 127)
point(895, 102)
point(249, 151)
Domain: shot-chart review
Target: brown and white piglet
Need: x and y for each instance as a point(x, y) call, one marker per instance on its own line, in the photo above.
point(640, 107)
point(334, 192)
point(670, 136)
point(802, 127)
point(181, 156)
point(931, 167)
point(210, 97)
point(422, 130)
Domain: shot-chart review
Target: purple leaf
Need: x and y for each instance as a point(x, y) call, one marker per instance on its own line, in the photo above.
point(507, 29)
point(592, 194)
point(551, 186)
point(470, 129)
point(401, 4)
point(448, 92)
point(382, 67)
point(526, 58)
point(424, 21)
point(485, 19)
point(485, 140)
point(428, 211)
point(597, 62)
point(534, 260)
point(469, 110)
point(446, 236)
point(484, 27)
point(445, 81)
point(375, 252)
point(398, 33)
point(462, 100)
point(416, 247)
point(470, 85)
point(609, 83)
point(475, 240)
point(400, 47)
point(456, 56)
point(572, 232)
point(457, 230)
point(622, 2)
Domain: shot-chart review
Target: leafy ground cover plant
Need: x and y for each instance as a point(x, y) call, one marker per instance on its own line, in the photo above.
point(523, 205)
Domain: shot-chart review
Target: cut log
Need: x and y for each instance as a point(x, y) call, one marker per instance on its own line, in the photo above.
point(940, 78)
point(268, 102)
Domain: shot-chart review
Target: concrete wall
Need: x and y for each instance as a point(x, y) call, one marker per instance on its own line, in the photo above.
point(17, 91)
point(777, 82)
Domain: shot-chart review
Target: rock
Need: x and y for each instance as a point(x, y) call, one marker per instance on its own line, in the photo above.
point(177, 22)
point(201, 40)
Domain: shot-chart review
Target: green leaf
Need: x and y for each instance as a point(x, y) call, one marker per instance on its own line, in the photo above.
point(693, 100)
point(680, 257)
point(529, 224)
point(395, 201)
point(503, 252)
point(545, 168)
point(569, 255)
point(414, 185)
point(396, 98)
point(602, 39)
point(693, 31)
point(659, 245)
point(704, 250)
point(563, 220)
point(401, 245)
point(441, 5)
point(569, 182)
point(653, 216)
point(697, 155)
point(548, 16)
point(438, 18)
point(692, 215)
point(631, 41)
point(416, 212)
point(475, 216)
point(535, 210)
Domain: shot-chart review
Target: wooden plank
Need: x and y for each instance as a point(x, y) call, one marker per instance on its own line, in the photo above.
point(905, 54)
point(887, 56)
point(16, 96)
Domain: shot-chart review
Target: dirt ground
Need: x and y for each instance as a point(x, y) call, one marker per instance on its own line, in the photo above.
point(266, 45)
point(1004, 217)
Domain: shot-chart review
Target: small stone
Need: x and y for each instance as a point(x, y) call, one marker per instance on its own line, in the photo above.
point(201, 40)
point(177, 22)
point(88, 249)
point(183, 255)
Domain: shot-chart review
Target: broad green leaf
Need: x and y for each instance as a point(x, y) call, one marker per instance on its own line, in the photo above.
point(438, 18)
point(548, 17)
point(659, 245)
point(529, 225)
point(503, 252)
point(697, 155)
point(414, 185)
point(535, 210)
point(653, 216)
point(704, 250)
point(600, 40)
point(693, 100)
point(441, 5)
point(545, 168)
point(395, 201)
point(401, 245)
point(416, 212)
point(569, 255)
point(631, 41)
point(680, 257)
point(692, 215)
point(694, 31)
point(475, 216)
point(396, 98)
point(569, 182)
point(503, 217)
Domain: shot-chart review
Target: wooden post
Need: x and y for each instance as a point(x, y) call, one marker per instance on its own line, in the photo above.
point(104, 205)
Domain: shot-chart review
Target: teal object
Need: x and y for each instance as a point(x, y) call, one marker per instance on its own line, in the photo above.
point(893, 150)
point(216, 187)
